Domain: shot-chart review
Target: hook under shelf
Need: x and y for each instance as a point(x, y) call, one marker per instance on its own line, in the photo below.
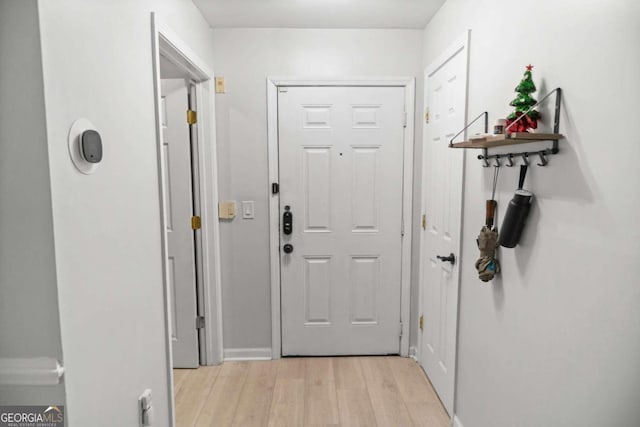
point(543, 154)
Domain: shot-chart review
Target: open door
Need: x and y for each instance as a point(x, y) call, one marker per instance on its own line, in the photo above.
point(179, 214)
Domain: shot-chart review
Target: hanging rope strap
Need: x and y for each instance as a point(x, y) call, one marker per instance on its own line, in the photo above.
point(523, 175)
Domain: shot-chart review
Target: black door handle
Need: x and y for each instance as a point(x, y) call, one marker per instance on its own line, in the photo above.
point(287, 220)
point(288, 248)
point(451, 258)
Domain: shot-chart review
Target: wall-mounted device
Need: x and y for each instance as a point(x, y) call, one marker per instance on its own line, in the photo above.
point(85, 146)
point(227, 210)
point(91, 146)
point(287, 220)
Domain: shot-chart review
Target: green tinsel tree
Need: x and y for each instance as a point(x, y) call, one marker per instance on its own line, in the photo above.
point(523, 102)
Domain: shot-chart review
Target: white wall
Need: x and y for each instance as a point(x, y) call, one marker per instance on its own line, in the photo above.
point(245, 57)
point(97, 64)
point(555, 340)
point(29, 325)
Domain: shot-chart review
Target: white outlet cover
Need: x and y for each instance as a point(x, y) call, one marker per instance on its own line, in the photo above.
point(76, 130)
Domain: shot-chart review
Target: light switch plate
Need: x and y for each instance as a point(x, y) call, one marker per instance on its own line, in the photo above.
point(145, 405)
point(227, 210)
point(248, 211)
point(220, 85)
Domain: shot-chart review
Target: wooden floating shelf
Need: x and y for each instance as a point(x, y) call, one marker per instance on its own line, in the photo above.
point(503, 140)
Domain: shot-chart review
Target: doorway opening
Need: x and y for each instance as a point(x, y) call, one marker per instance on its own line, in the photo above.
point(182, 212)
point(188, 194)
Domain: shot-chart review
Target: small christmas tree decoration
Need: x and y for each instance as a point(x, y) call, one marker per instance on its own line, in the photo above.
point(523, 102)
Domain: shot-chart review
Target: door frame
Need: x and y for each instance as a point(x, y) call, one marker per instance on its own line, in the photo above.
point(167, 42)
point(408, 83)
point(460, 43)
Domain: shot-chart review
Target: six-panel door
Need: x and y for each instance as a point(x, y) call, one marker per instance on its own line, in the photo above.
point(446, 102)
point(341, 169)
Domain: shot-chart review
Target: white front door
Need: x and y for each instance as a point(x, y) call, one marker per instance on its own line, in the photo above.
point(341, 177)
point(443, 172)
point(179, 210)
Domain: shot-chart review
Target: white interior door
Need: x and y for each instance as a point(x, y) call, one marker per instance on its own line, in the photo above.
point(446, 103)
point(179, 210)
point(341, 171)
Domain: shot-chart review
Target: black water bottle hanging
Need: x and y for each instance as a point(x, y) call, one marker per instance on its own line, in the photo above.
point(517, 213)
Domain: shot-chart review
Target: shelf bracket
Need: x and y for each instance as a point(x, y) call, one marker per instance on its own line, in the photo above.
point(486, 126)
point(556, 121)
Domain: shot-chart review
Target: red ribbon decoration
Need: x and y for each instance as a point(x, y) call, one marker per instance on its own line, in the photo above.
point(523, 125)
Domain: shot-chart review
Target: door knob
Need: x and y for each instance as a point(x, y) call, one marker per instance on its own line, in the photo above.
point(451, 258)
point(288, 248)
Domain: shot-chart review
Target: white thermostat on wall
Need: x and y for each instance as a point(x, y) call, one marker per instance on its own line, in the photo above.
point(85, 146)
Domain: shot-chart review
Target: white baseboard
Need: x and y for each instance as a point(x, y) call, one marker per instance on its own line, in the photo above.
point(231, 354)
point(457, 422)
point(413, 353)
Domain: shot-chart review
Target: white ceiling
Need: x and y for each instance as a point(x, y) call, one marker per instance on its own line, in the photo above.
point(318, 13)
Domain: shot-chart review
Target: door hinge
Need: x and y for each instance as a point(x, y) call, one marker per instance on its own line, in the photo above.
point(196, 223)
point(200, 322)
point(400, 333)
point(426, 116)
point(424, 221)
point(283, 89)
point(404, 119)
point(192, 117)
point(402, 228)
point(421, 322)
point(275, 188)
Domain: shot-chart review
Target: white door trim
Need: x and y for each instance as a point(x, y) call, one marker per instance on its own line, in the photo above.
point(462, 42)
point(408, 83)
point(165, 40)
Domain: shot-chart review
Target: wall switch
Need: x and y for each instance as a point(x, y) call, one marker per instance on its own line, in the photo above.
point(147, 417)
point(220, 85)
point(248, 209)
point(145, 406)
point(227, 210)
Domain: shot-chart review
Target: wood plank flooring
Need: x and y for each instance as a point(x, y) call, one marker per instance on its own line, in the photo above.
point(303, 392)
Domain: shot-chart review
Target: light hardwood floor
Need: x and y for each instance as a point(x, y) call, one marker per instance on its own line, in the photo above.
point(299, 392)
